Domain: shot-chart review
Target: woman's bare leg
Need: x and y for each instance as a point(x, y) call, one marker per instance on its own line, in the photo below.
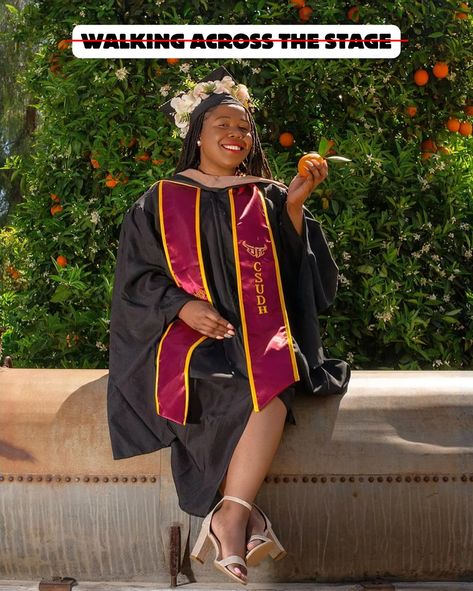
point(246, 472)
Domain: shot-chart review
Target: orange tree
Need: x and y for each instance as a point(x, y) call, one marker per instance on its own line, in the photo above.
point(398, 217)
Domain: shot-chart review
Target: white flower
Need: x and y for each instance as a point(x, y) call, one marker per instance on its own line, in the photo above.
point(343, 279)
point(451, 235)
point(451, 277)
point(185, 67)
point(423, 281)
point(425, 247)
point(432, 297)
point(121, 73)
point(94, 217)
point(464, 226)
point(435, 257)
point(350, 357)
point(164, 90)
point(437, 363)
point(468, 254)
point(256, 70)
point(416, 236)
point(346, 256)
point(446, 297)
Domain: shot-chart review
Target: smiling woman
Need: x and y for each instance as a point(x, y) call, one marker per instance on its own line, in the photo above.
point(214, 323)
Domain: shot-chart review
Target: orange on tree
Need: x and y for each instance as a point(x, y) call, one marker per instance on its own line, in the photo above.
point(302, 165)
point(452, 124)
point(421, 77)
point(440, 70)
point(465, 128)
point(55, 198)
point(55, 209)
point(305, 13)
point(298, 3)
point(95, 163)
point(286, 139)
point(411, 110)
point(426, 155)
point(172, 60)
point(444, 150)
point(353, 14)
point(63, 44)
point(468, 109)
point(428, 145)
point(143, 157)
point(61, 260)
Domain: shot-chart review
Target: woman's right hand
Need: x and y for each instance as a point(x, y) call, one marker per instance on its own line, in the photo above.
point(203, 317)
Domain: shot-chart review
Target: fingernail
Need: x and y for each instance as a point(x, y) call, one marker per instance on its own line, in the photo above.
point(230, 326)
point(228, 336)
point(219, 337)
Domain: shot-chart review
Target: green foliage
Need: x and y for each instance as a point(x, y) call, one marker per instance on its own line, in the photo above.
point(399, 223)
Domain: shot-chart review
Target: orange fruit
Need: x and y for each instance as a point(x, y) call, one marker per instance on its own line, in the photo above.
point(143, 157)
point(61, 260)
point(63, 44)
point(421, 77)
point(461, 15)
point(305, 13)
point(411, 110)
point(286, 139)
point(453, 124)
point(172, 60)
point(444, 150)
point(298, 3)
point(353, 14)
point(95, 163)
point(55, 209)
point(111, 183)
point(465, 128)
point(428, 145)
point(157, 161)
point(440, 70)
point(426, 155)
point(302, 166)
point(54, 197)
point(468, 109)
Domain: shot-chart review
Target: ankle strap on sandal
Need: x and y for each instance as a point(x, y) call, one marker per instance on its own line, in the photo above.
point(237, 500)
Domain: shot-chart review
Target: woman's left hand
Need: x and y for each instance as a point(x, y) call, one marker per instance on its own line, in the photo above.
point(301, 187)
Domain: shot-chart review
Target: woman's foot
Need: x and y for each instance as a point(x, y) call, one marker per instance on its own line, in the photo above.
point(255, 525)
point(229, 527)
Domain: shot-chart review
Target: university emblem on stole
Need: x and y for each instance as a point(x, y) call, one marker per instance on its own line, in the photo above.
point(256, 251)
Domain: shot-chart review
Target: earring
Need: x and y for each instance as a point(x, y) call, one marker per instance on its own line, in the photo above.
point(198, 142)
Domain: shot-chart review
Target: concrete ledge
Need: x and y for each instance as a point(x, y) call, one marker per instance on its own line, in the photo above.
point(373, 484)
point(120, 586)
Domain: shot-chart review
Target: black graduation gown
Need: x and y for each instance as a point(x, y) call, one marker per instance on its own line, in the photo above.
point(146, 300)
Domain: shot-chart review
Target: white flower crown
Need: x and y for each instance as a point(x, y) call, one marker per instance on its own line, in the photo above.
point(185, 103)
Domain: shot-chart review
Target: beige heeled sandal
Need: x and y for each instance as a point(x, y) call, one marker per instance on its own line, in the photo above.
point(269, 546)
point(207, 538)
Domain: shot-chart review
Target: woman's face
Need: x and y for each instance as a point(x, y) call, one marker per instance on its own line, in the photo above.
point(225, 125)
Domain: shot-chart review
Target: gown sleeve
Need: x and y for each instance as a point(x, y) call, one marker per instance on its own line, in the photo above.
point(145, 298)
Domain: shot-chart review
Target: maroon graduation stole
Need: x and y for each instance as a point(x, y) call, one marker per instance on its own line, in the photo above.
point(267, 339)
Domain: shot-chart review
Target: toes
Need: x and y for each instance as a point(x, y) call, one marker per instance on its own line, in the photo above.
point(253, 544)
point(238, 571)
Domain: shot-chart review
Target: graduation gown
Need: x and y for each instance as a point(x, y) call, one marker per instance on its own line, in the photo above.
point(146, 300)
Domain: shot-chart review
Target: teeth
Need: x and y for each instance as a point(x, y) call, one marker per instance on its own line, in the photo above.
point(235, 148)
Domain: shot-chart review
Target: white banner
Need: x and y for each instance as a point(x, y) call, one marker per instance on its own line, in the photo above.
point(237, 41)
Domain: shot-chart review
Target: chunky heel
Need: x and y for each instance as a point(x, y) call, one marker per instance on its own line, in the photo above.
point(269, 546)
point(202, 546)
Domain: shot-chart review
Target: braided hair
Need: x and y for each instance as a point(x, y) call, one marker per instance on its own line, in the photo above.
point(255, 164)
